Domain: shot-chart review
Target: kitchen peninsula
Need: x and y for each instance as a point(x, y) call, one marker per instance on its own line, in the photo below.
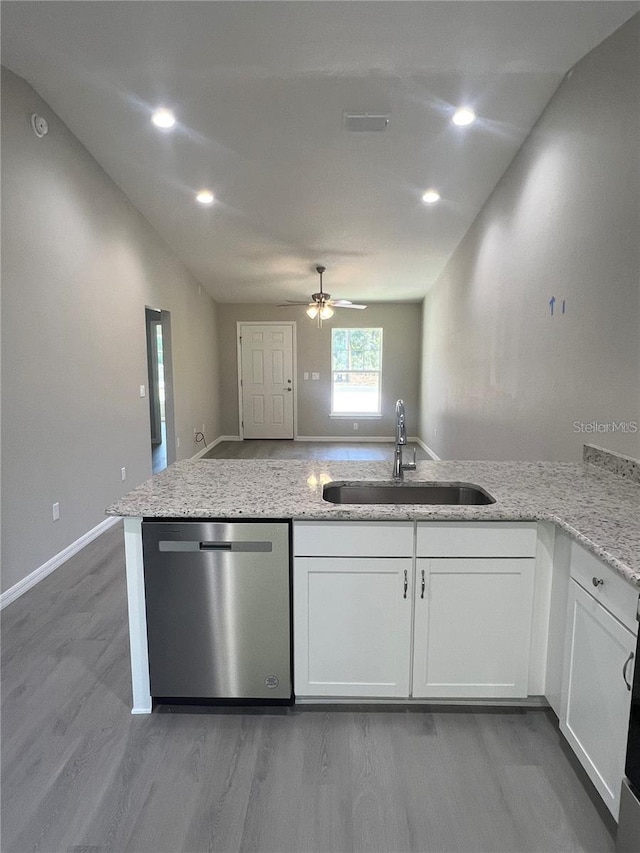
point(494, 603)
point(595, 507)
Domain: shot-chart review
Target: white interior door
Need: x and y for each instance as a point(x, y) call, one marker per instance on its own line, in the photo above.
point(266, 378)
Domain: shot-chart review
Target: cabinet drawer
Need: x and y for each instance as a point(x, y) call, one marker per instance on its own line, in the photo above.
point(476, 539)
point(353, 539)
point(615, 593)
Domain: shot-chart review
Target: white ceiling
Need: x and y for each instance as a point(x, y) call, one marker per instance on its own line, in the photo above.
point(259, 90)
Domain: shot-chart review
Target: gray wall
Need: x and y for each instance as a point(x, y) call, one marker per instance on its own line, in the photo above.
point(79, 264)
point(501, 377)
point(401, 324)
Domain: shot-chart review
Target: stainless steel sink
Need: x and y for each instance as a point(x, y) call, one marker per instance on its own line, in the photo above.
point(382, 492)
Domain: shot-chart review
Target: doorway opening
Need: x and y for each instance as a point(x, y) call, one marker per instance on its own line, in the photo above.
point(162, 433)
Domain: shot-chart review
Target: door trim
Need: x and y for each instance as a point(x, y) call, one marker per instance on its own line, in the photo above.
point(294, 358)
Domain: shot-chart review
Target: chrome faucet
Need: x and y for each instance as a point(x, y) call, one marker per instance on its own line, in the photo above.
point(399, 467)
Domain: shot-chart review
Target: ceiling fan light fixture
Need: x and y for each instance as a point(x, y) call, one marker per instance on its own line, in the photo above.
point(326, 312)
point(312, 312)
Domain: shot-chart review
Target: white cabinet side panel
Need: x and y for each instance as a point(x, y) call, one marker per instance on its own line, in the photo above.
point(137, 617)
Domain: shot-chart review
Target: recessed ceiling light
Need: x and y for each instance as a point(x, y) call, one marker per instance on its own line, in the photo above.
point(163, 118)
point(431, 197)
point(205, 197)
point(463, 116)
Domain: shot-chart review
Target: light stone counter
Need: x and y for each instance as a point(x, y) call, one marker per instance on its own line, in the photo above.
point(599, 509)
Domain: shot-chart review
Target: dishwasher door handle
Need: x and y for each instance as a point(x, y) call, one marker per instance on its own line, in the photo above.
point(176, 545)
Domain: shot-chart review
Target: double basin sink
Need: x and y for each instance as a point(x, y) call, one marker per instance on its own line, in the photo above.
point(383, 492)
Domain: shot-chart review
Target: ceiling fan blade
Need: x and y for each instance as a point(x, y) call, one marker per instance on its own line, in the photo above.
point(291, 302)
point(349, 305)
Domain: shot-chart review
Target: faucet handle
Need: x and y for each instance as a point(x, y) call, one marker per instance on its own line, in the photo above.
point(410, 466)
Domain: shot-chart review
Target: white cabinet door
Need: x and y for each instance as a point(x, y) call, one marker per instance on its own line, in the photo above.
point(596, 701)
point(472, 627)
point(352, 626)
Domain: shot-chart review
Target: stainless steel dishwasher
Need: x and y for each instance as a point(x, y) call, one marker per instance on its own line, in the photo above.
point(218, 609)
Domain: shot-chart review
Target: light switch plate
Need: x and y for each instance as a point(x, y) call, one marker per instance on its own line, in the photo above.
point(315, 376)
point(143, 391)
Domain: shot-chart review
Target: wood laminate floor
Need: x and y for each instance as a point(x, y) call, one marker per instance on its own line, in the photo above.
point(81, 775)
point(372, 451)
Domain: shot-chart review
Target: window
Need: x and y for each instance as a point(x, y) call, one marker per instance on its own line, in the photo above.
point(356, 365)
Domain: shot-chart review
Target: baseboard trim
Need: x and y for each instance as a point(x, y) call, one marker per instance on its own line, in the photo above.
point(427, 449)
point(216, 441)
point(347, 438)
point(534, 702)
point(54, 563)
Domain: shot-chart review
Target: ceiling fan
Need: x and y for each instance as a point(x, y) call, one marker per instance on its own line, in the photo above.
point(321, 305)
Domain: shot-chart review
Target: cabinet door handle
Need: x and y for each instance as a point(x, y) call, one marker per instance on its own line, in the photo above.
point(422, 586)
point(624, 669)
point(597, 582)
point(406, 583)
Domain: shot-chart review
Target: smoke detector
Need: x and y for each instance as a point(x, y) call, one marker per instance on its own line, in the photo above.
point(40, 125)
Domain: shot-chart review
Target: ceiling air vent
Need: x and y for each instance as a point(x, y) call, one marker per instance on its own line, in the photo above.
point(366, 122)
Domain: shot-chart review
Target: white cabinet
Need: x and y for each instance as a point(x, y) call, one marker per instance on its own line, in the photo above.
point(472, 627)
point(474, 599)
point(352, 601)
point(352, 626)
point(598, 669)
point(357, 587)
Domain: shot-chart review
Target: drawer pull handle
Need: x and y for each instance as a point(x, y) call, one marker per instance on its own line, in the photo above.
point(624, 669)
point(422, 586)
point(406, 583)
point(597, 582)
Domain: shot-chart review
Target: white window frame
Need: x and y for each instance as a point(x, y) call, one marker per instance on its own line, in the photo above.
point(359, 415)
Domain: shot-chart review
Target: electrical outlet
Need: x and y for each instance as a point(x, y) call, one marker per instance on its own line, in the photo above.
point(355, 426)
point(123, 473)
point(203, 429)
point(305, 376)
point(178, 441)
point(55, 511)
point(315, 376)
point(195, 433)
point(143, 391)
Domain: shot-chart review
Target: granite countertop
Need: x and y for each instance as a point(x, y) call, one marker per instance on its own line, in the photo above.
point(599, 509)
